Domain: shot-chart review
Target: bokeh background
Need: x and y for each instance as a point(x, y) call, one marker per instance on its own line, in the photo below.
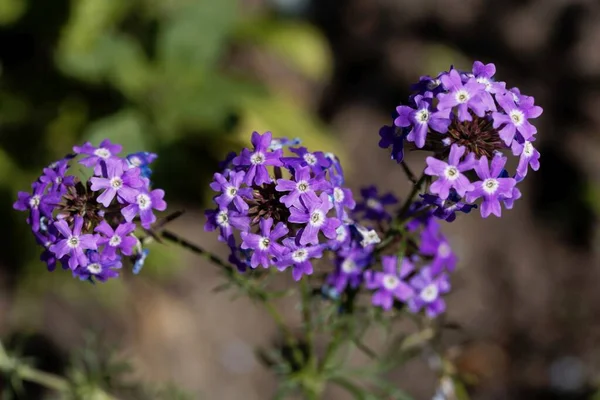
point(191, 79)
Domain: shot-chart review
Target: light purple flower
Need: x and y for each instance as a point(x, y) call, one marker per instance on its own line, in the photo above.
point(100, 267)
point(231, 190)
point(422, 118)
point(116, 239)
point(38, 204)
point(350, 263)
point(342, 199)
point(302, 187)
point(258, 159)
point(316, 161)
point(314, 216)
point(55, 177)
point(226, 220)
point(299, 257)
point(515, 118)
point(118, 180)
point(465, 96)
point(529, 156)
point(143, 205)
point(428, 289)
point(74, 243)
point(510, 201)
point(433, 243)
point(491, 187)
point(483, 74)
point(264, 245)
point(390, 283)
point(450, 174)
point(105, 151)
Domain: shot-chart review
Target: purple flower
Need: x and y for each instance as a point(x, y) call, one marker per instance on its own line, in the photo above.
point(465, 96)
point(393, 139)
point(141, 160)
point(529, 156)
point(57, 179)
point(47, 239)
point(144, 203)
point(428, 84)
point(105, 151)
point(100, 267)
point(74, 243)
point(225, 220)
point(373, 205)
point(336, 173)
point(433, 243)
point(258, 159)
point(428, 289)
point(231, 191)
point(390, 283)
point(316, 161)
point(342, 198)
point(510, 201)
point(299, 257)
point(350, 263)
point(302, 187)
point(491, 187)
point(421, 119)
point(114, 239)
point(515, 118)
point(314, 215)
point(483, 74)
point(117, 181)
point(449, 174)
point(265, 244)
point(447, 209)
point(38, 204)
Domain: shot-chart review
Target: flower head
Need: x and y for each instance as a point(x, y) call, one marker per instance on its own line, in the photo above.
point(390, 284)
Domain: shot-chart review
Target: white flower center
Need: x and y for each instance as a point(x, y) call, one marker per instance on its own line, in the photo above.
point(486, 82)
point(222, 218)
point(300, 255)
point(102, 152)
point(144, 201)
point(422, 116)
point(310, 159)
point(116, 182)
point(115, 241)
point(135, 161)
point(374, 204)
point(444, 250)
point(490, 185)
point(94, 268)
point(232, 191)
point(58, 180)
point(338, 195)
point(303, 186)
point(348, 266)
point(73, 241)
point(390, 282)
point(528, 149)
point(451, 173)
point(462, 96)
point(517, 117)
point(341, 234)
point(317, 218)
point(34, 201)
point(257, 158)
point(263, 243)
point(370, 237)
point(429, 293)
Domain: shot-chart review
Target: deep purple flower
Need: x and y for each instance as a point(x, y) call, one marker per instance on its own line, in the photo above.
point(118, 181)
point(105, 151)
point(258, 159)
point(74, 243)
point(225, 220)
point(422, 118)
point(55, 177)
point(465, 96)
point(529, 156)
point(231, 190)
point(491, 187)
point(342, 199)
point(428, 84)
point(483, 74)
point(447, 209)
point(342, 238)
point(515, 119)
point(316, 161)
point(373, 205)
point(38, 204)
point(314, 216)
point(302, 187)
point(390, 137)
point(265, 244)
point(116, 239)
point(100, 267)
point(449, 174)
point(390, 283)
point(350, 263)
point(434, 244)
point(299, 257)
point(428, 289)
point(144, 203)
point(336, 173)
point(47, 239)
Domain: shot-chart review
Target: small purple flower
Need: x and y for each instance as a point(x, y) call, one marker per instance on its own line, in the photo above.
point(515, 119)
point(465, 96)
point(390, 283)
point(265, 244)
point(428, 289)
point(105, 151)
point(342, 199)
point(258, 159)
point(373, 205)
point(350, 263)
point(38, 204)
point(391, 138)
point(144, 203)
point(302, 187)
point(529, 156)
point(447, 209)
point(47, 239)
point(509, 202)
point(491, 187)
point(116, 239)
point(428, 84)
point(141, 160)
point(314, 215)
point(74, 243)
point(336, 173)
point(100, 267)
point(117, 181)
point(226, 220)
point(231, 190)
point(422, 118)
point(299, 257)
point(316, 161)
point(483, 74)
point(57, 179)
point(433, 243)
point(449, 174)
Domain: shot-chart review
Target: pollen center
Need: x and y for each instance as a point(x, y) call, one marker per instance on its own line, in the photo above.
point(116, 183)
point(390, 282)
point(430, 293)
point(73, 241)
point(490, 185)
point(144, 201)
point(451, 173)
point(300, 255)
point(115, 241)
point(374, 204)
point(317, 218)
point(462, 96)
point(257, 158)
point(264, 243)
point(231, 191)
point(517, 117)
point(422, 116)
point(348, 266)
point(310, 159)
point(338, 195)
point(102, 153)
point(528, 149)
point(222, 218)
point(303, 186)
point(34, 202)
point(94, 268)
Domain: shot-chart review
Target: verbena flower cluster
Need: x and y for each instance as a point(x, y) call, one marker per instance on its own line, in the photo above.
point(89, 224)
point(470, 122)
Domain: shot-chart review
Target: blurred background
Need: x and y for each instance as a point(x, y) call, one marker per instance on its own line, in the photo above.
point(191, 79)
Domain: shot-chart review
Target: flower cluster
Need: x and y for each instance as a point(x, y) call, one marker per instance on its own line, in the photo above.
point(470, 122)
point(88, 224)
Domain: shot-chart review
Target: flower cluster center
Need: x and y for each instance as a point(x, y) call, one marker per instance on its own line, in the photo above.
point(429, 293)
point(390, 282)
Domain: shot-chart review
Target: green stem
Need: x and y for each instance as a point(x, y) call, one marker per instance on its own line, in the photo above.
point(409, 174)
